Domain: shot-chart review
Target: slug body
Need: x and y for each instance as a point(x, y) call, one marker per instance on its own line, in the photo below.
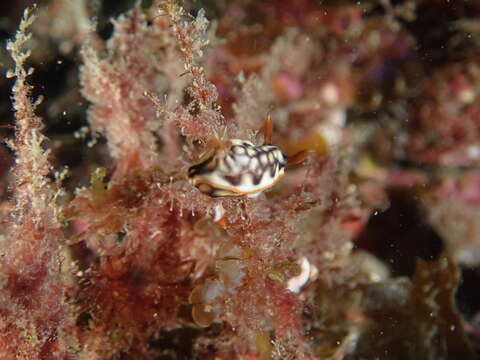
point(239, 169)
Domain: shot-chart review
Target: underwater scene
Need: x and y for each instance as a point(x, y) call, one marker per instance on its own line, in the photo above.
point(243, 179)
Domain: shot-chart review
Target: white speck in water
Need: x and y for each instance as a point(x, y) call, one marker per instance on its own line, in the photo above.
point(218, 211)
point(473, 151)
point(295, 283)
point(330, 93)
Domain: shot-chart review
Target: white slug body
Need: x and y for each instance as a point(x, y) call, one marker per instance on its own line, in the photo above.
point(241, 169)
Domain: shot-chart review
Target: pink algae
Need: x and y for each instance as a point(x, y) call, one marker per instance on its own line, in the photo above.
point(136, 263)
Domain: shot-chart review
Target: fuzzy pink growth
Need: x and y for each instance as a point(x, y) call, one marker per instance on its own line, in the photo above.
point(116, 86)
point(33, 289)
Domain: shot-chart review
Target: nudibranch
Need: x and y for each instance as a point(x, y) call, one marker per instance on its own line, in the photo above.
point(240, 168)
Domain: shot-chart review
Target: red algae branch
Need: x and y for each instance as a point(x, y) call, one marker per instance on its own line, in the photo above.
point(36, 319)
point(367, 247)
